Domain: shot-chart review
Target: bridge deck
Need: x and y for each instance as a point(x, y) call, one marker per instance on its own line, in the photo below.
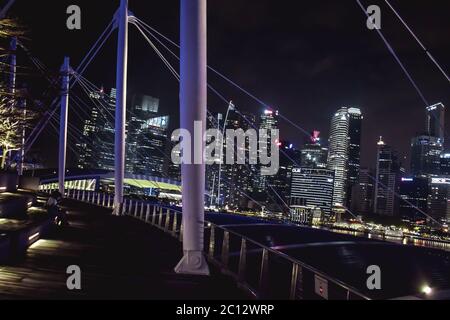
point(119, 259)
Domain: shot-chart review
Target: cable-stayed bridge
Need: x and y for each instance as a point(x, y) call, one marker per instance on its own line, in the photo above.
point(266, 259)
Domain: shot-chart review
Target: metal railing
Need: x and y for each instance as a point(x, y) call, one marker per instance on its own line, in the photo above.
point(251, 264)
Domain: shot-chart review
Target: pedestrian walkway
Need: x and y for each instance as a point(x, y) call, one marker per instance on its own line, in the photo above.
point(120, 258)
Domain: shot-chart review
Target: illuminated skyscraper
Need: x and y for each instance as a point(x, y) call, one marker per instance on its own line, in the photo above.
point(212, 171)
point(439, 199)
point(426, 155)
point(414, 196)
point(313, 154)
point(426, 149)
point(280, 183)
point(338, 154)
point(174, 170)
point(445, 164)
point(96, 146)
point(362, 193)
point(147, 136)
point(268, 121)
point(312, 187)
point(354, 150)
point(237, 180)
point(148, 152)
point(387, 180)
point(436, 121)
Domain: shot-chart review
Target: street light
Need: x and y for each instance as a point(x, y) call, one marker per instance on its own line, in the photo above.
point(427, 290)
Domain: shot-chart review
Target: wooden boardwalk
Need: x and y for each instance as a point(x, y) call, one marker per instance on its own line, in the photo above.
point(120, 258)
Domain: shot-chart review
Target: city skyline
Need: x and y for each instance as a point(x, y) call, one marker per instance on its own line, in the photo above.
point(240, 150)
point(375, 98)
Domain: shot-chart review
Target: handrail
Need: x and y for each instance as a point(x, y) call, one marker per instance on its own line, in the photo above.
point(157, 220)
point(294, 260)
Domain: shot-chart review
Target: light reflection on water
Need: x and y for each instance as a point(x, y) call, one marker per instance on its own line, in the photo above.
point(404, 241)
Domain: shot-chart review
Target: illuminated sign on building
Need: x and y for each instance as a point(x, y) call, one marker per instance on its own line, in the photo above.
point(159, 122)
point(440, 180)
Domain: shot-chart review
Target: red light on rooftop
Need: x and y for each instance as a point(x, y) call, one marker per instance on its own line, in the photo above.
point(315, 136)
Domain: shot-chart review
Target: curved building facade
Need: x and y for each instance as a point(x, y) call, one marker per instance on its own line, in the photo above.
point(338, 155)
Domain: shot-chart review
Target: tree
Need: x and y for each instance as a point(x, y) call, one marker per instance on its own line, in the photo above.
point(13, 118)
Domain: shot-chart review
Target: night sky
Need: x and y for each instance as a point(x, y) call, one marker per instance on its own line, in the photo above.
point(305, 58)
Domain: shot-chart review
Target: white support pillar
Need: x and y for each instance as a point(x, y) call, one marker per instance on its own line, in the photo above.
point(121, 96)
point(124, 209)
point(154, 215)
point(147, 213)
point(136, 205)
point(193, 90)
point(63, 125)
point(130, 208)
point(141, 214)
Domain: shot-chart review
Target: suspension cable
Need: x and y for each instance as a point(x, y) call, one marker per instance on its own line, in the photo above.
point(147, 27)
point(428, 53)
